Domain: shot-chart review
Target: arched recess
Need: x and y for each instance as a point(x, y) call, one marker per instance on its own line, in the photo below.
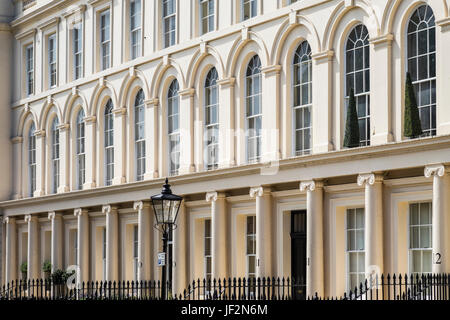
point(27, 121)
point(49, 106)
point(51, 116)
point(293, 38)
point(252, 39)
point(198, 82)
point(395, 12)
point(397, 24)
point(197, 60)
point(129, 84)
point(101, 90)
point(24, 119)
point(74, 100)
point(345, 22)
point(161, 70)
point(240, 64)
point(284, 37)
point(165, 79)
point(367, 16)
point(128, 101)
point(77, 105)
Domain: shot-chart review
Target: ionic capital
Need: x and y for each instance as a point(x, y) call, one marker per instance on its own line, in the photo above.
point(30, 218)
point(436, 170)
point(258, 191)
point(79, 212)
point(108, 209)
point(9, 220)
point(311, 185)
point(369, 179)
point(52, 215)
point(211, 197)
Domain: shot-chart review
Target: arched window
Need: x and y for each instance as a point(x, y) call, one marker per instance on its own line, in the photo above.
point(139, 134)
point(80, 149)
point(173, 102)
point(32, 159)
point(302, 89)
point(358, 78)
point(55, 155)
point(109, 143)
point(253, 109)
point(422, 65)
point(211, 120)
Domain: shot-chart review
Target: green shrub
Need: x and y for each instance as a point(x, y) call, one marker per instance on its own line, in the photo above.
point(24, 267)
point(351, 139)
point(47, 266)
point(413, 126)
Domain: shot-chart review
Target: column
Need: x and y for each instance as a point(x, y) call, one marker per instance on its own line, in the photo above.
point(57, 244)
point(17, 167)
point(151, 139)
point(112, 242)
point(263, 231)
point(187, 131)
point(219, 234)
point(91, 152)
point(381, 90)
point(314, 237)
point(33, 271)
point(83, 244)
point(64, 156)
point(179, 281)
point(146, 254)
point(119, 145)
point(271, 113)
point(40, 163)
point(373, 222)
point(322, 123)
point(440, 219)
point(227, 156)
point(11, 250)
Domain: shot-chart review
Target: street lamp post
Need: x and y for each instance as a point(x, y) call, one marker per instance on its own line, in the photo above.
point(165, 206)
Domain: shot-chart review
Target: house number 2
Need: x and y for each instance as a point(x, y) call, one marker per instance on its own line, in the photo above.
point(438, 258)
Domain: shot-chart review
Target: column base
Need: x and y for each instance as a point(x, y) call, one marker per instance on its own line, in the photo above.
point(119, 180)
point(151, 175)
point(63, 189)
point(89, 185)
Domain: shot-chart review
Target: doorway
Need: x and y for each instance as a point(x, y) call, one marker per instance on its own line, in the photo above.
point(298, 254)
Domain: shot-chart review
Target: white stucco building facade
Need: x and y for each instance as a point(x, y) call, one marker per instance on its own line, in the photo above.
point(242, 104)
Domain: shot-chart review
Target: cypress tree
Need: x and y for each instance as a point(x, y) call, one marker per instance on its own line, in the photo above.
point(351, 139)
point(413, 126)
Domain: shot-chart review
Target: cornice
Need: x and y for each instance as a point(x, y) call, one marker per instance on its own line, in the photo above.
point(49, 23)
point(26, 34)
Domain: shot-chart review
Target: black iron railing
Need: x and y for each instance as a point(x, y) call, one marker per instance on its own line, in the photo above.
point(222, 289)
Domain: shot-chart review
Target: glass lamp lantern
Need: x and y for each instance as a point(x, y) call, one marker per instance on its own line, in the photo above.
point(166, 206)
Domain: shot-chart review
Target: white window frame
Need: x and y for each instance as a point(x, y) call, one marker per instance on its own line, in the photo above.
point(211, 127)
point(32, 159)
point(168, 40)
point(109, 143)
point(139, 108)
point(303, 108)
point(80, 149)
point(77, 35)
point(52, 60)
point(420, 249)
point(348, 252)
point(253, 9)
point(174, 135)
point(430, 80)
point(207, 257)
point(257, 137)
point(136, 32)
point(365, 94)
point(105, 39)
point(55, 155)
point(29, 68)
point(209, 17)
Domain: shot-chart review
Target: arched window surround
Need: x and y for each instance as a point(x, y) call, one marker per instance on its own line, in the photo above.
point(253, 109)
point(139, 135)
point(173, 127)
point(211, 119)
point(421, 63)
point(108, 143)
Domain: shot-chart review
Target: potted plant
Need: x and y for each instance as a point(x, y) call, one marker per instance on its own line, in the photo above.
point(47, 268)
point(24, 270)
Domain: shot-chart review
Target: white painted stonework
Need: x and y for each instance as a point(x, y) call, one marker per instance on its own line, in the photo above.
point(63, 186)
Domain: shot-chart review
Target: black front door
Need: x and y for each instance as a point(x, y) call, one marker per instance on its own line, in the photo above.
point(298, 254)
